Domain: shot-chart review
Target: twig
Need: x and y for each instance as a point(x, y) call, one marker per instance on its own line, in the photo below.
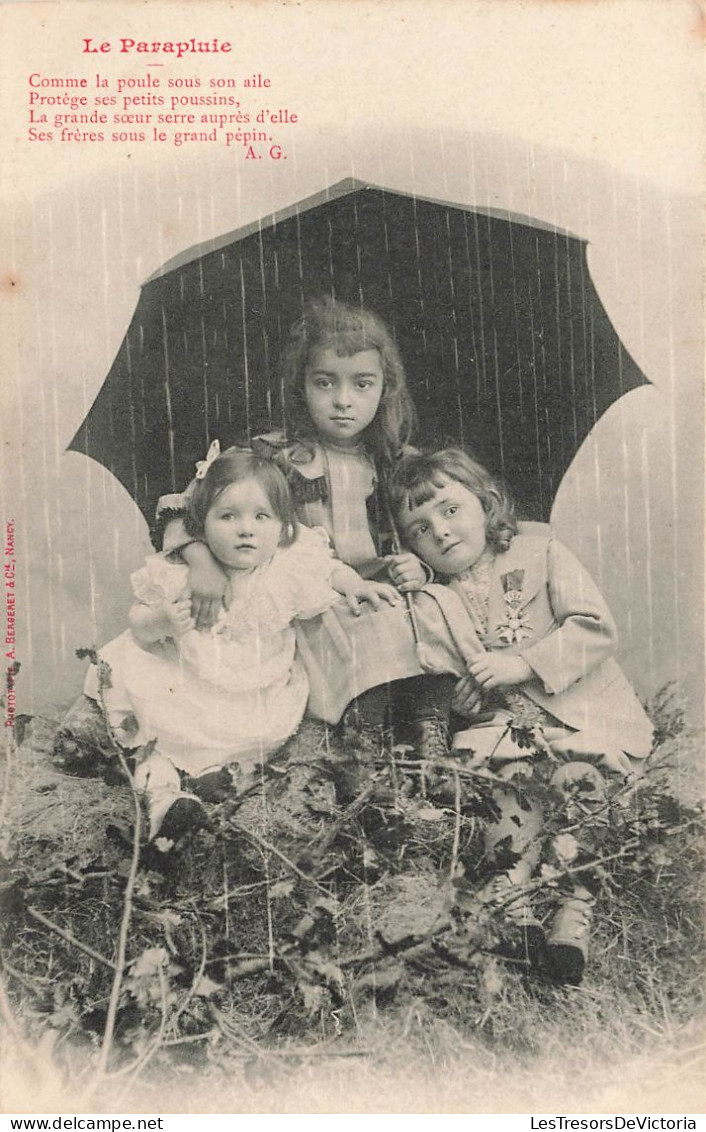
point(244, 955)
point(262, 844)
point(421, 766)
point(166, 1023)
point(129, 892)
point(188, 1039)
point(351, 811)
point(136, 1068)
point(194, 982)
point(23, 977)
point(387, 950)
point(229, 1030)
point(500, 738)
point(457, 826)
point(222, 901)
point(251, 967)
point(322, 1050)
point(69, 938)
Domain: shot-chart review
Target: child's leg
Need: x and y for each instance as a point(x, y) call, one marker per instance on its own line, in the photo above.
point(171, 811)
point(369, 710)
point(421, 706)
point(512, 843)
point(568, 940)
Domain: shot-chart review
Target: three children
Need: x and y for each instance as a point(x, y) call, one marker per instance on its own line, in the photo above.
point(214, 671)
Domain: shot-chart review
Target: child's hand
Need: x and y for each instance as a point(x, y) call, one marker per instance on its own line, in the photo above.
point(406, 571)
point(611, 758)
point(208, 585)
point(500, 670)
point(177, 616)
point(618, 761)
point(467, 697)
point(373, 592)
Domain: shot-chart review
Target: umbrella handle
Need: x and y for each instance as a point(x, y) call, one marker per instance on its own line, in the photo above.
point(420, 647)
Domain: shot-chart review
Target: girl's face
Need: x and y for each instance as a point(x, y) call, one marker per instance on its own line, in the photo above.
point(241, 528)
point(343, 393)
point(448, 531)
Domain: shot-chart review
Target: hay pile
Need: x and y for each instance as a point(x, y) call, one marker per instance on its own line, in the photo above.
point(346, 879)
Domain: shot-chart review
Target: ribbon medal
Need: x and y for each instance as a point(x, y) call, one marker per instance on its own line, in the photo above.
point(515, 628)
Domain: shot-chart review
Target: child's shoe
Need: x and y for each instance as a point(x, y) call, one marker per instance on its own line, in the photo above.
point(215, 786)
point(567, 945)
point(184, 815)
point(172, 813)
point(431, 739)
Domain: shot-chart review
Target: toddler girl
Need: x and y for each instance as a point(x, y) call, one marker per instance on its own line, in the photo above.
point(548, 641)
point(349, 420)
point(234, 693)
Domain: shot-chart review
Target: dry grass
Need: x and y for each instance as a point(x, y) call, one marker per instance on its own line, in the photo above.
point(438, 1040)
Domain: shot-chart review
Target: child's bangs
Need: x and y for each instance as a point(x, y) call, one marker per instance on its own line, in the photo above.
point(345, 343)
point(421, 491)
point(276, 489)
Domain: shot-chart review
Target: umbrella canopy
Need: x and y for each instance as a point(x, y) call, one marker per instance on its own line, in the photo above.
point(506, 344)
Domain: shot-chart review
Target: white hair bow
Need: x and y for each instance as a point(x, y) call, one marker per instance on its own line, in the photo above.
point(213, 453)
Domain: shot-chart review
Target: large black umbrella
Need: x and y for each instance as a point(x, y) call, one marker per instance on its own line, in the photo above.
point(507, 346)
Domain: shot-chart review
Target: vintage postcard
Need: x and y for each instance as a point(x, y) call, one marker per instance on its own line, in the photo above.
point(352, 518)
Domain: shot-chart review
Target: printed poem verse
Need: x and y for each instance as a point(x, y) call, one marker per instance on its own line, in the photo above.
point(240, 112)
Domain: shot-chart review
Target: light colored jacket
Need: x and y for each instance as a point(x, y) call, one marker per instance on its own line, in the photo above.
point(568, 637)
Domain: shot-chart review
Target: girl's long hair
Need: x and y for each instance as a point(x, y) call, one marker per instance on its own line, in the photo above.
point(418, 476)
point(233, 466)
point(327, 323)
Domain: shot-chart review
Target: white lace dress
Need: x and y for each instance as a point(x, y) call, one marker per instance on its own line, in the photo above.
point(236, 692)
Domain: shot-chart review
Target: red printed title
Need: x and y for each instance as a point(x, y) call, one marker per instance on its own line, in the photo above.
point(180, 48)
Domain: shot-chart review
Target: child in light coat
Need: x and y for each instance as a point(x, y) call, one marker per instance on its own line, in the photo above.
point(549, 646)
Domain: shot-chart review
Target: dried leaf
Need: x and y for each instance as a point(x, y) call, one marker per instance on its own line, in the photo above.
point(22, 727)
point(280, 889)
point(492, 981)
point(429, 813)
point(313, 997)
point(206, 987)
point(566, 847)
point(149, 962)
point(382, 979)
point(327, 904)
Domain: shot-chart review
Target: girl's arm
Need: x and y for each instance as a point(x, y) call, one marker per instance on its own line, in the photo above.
point(586, 633)
point(499, 670)
point(170, 533)
point(208, 584)
point(356, 590)
point(408, 572)
point(584, 637)
point(152, 623)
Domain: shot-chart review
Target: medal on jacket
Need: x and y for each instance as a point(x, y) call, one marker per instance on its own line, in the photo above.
point(515, 628)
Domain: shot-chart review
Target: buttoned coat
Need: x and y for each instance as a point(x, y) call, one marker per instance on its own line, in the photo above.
point(568, 638)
